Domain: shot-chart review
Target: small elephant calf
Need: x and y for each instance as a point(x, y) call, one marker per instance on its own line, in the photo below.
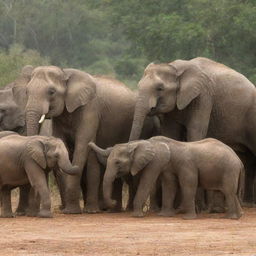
point(27, 160)
point(208, 163)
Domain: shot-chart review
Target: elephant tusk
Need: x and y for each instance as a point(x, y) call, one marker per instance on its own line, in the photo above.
point(41, 119)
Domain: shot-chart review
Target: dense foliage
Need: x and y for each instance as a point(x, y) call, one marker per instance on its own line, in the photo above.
point(119, 37)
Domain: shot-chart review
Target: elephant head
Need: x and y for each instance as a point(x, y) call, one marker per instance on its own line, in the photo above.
point(122, 160)
point(164, 87)
point(50, 90)
point(12, 117)
point(50, 152)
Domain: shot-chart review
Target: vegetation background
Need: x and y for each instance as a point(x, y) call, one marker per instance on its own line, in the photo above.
point(120, 37)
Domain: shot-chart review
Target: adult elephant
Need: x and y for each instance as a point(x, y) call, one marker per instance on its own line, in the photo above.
point(83, 109)
point(13, 99)
point(12, 117)
point(199, 98)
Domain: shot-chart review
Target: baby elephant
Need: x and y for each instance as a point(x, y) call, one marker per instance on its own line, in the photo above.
point(208, 163)
point(27, 160)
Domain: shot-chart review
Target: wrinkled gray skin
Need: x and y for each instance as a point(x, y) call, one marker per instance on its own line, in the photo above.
point(199, 98)
point(27, 160)
point(83, 109)
point(12, 117)
point(208, 163)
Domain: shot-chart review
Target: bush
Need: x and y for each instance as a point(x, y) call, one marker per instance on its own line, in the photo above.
point(12, 61)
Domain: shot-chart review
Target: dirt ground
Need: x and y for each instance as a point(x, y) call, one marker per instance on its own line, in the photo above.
point(120, 234)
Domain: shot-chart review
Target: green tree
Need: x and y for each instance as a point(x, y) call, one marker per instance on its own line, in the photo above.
point(12, 61)
point(166, 30)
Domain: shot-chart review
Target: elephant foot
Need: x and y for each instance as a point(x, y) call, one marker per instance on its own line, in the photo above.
point(166, 213)
point(8, 215)
point(248, 204)
point(216, 209)
point(45, 214)
point(180, 210)
point(138, 214)
point(61, 207)
point(154, 208)
point(189, 216)
point(20, 213)
point(114, 210)
point(233, 216)
point(30, 213)
point(91, 209)
point(72, 210)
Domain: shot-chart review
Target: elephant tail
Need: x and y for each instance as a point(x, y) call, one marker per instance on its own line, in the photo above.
point(241, 180)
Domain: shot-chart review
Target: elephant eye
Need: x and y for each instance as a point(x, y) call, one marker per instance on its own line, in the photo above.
point(51, 91)
point(117, 162)
point(160, 87)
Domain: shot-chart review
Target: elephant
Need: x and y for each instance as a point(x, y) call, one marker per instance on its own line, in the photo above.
point(82, 108)
point(27, 160)
point(12, 117)
point(13, 103)
point(207, 163)
point(199, 98)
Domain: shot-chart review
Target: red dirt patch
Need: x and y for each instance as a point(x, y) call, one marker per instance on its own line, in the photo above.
point(120, 234)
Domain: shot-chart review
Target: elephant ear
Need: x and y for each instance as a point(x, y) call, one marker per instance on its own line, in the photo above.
point(36, 150)
point(20, 96)
point(142, 152)
point(19, 88)
point(188, 75)
point(81, 89)
point(27, 71)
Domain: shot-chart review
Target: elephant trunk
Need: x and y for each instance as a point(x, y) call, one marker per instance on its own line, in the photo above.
point(100, 151)
point(66, 166)
point(36, 109)
point(108, 180)
point(32, 122)
point(141, 110)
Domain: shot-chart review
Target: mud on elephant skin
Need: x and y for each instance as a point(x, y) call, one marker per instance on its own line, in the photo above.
point(208, 163)
point(200, 98)
point(28, 160)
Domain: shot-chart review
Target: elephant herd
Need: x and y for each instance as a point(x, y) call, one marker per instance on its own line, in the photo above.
point(152, 139)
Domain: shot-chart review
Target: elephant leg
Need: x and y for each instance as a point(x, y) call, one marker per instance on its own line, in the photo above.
point(34, 203)
point(215, 201)
point(83, 136)
point(133, 182)
point(37, 179)
point(148, 178)
point(93, 184)
point(59, 177)
point(156, 196)
point(233, 210)
point(93, 178)
point(249, 162)
point(23, 200)
point(188, 180)
point(169, 188)
point(83, 186)
point(6, 203)
point(154, 207)
point(117, 195)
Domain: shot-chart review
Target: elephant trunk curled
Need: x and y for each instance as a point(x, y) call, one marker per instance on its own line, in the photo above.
point(67, 167)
